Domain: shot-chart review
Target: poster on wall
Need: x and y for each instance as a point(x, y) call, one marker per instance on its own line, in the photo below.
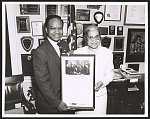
point(135, 51)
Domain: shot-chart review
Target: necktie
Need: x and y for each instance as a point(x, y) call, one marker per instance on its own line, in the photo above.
point(60, 48)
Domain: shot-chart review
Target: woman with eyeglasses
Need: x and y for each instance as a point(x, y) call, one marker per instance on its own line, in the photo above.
point(103, 68)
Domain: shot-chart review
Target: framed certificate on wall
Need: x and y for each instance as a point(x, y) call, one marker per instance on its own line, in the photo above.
point(78, 80)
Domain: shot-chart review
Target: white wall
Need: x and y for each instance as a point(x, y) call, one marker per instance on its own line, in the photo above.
point(15, 43)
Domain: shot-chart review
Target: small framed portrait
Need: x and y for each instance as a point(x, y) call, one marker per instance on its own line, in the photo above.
point(41, 41)
point(23, 24)
point(111, 30)
point(83, 15)
point(33, 9)
point(118, 43)
point(37, 28)
point(119, 30)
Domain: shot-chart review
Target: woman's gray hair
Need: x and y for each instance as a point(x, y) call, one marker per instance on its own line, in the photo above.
point(90, 28)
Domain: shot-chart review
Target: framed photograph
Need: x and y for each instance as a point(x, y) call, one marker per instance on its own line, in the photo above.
point(131, 16)
point(32, 9)
point(78, 80)
point(51, 10)
point(118, 59)
point(41, 40)
point(23, 24)
point(118, 43)
point(112, 12)
point(37, 28)
point(83, 15)
point(135, 51)
point(64, 11)
point(112, 30)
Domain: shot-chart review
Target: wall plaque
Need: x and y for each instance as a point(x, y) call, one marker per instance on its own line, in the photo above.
point(27, 43)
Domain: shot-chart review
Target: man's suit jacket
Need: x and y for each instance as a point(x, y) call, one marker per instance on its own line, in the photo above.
point(46, 64)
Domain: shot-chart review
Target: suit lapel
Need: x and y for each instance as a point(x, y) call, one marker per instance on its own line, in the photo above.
point(53, 53)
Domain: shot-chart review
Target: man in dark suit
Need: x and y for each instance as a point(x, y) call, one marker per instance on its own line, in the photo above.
point(46, 64)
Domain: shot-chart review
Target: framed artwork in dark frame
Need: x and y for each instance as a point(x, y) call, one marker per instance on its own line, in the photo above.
point(30, 9)
point(23, 24)
point(135, 51)
point(82, 15)
point(118, 43)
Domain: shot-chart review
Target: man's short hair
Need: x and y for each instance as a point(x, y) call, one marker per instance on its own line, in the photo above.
point(49, 17)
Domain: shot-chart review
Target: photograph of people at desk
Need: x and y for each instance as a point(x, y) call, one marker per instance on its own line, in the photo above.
point(101, 46)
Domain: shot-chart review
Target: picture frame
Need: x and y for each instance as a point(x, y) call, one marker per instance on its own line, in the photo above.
point(94, 6)
point(51, 10)
point(119, 30)
point(112, 29)
point(23, 24)
point(118, 43)
point(82, 15)
point(118, 58)
point(27, 64)
point(30, 9)
point(112, 12)
point(135, 51)
point(77, 72)
point(37, 28)
point(64, 11)
point(40, 41)
point(131, 16)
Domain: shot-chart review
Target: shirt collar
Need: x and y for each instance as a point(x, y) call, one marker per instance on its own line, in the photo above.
point(52, 42)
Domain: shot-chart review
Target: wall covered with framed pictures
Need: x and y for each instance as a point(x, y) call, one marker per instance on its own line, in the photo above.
point(28, 20)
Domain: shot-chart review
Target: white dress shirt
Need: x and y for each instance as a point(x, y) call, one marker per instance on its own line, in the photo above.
point(54, 44)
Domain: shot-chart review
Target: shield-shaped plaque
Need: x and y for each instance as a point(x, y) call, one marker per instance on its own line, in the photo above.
point(27, 43)
point(98, 17)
